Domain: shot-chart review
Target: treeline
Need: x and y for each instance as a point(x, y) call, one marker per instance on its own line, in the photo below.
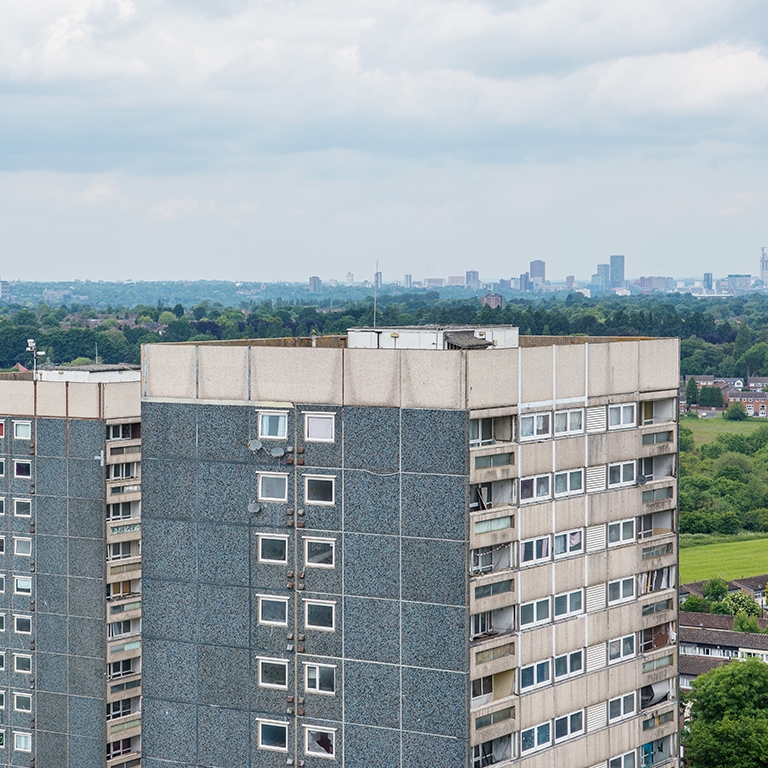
point(726, 337)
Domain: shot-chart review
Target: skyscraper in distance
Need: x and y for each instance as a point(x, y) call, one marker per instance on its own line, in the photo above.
point(617, 272)
point(538, 268)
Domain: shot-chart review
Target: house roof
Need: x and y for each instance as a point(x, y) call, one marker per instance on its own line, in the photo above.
point(698, 665)
point(723, 639)
point(717, 621)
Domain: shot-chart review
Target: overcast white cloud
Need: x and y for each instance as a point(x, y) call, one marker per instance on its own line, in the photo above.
point(274, 139)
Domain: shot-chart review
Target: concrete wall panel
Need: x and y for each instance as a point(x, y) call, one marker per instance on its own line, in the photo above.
point(432, 379)
point(372, 377)
point(570, 378)
point(222, 373)
point(492, 378)
point(537, 374)
point(296, 375)
point(52, 399)
point(122, 400)
point(84, 401)
point(17, 397)
point(169, 370)
point(659, 364)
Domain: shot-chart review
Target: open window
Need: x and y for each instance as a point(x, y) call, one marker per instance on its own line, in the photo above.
point(489, 559)
point(656, 467)
point(656, 524)
point(319, 742)
point(655, 581)
point(490, 430)
point(656, 637)
point(492, 752)
point(659, 411)
point(484, 496)
point(656, 693)
point(488, 623)
point(657, 751)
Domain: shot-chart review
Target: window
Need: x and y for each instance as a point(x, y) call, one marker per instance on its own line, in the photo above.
point(319, 427)
point(120, 669)
point(22, 507)
point(122, 431)
point(319, 490)
point(273, 549)
point(535, 425)
point(119, 551)
point(658, 663)
point(493, 460)
point(22, 625)
point(2, 545)
point(568, 604)
point(320, 614)
point(657, 494)
point(123, 471)
point(482, 623)
point(273, 735)
point(499, 652)
point(657, 437)
point(623, 706)
point(621, 648)
point(2, 623)
point(22, 469)
point(319, 553)
point(22, 702)
point(494, 524)
point(658, 551)
point(320, 678)
point(621, 532)
point(2, 660)
point(2, 583)
point(2, 429)
point(497, 588)
point(534, 675)
point(626, 760)
point(118, 589)
point(654, 722)
point(273, 487)
point(534, 550)
point(117, 709)
point(569, 482)
point(480, 432)
point(22, 742)
point(482, 560)
point(273, 425)
point(22, 663)
point(569, 422)
point(536, 738)
point(536, 612)
point(22, 430)
point(22, 585)
point(21, 546)
point(319, 742)
point(2, 699)
point(499, 716)
point(621, 416)
point(624, 589)
point(658, 607)
point(534, 488)
point(117, 748)
point(273, 673)
point(2, 467)
point(621, 474)
point(569, 664)
point(273, 611)
point(568, 543)
point(2, 506)
point(482, 691)
point(569, 725)
point(120, 511)
point(119, 628)
point(492, 752)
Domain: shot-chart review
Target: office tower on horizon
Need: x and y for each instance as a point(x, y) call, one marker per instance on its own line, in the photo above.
point(408, 281)
point(707, 281)
point(411, 547)
point(473, 279)
point(538, 270)
point(617, 272)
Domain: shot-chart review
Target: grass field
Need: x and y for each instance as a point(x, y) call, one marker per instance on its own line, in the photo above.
point(705, 430)
point(733, 560)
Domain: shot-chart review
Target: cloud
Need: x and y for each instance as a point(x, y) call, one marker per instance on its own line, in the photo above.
point(174, 209)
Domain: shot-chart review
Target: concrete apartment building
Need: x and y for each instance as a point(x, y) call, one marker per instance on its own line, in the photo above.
point(410, 547)
point(70, 666)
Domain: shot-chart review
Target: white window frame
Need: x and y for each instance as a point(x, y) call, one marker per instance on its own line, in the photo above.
point(284, 436)
point(569, 430)
point(274, 499)
point(324, 415)
point(16, 507)
point(2, 467)
point(16, 590)
point(622, 583)
point(2, 660)
point(622, 465)
point(2, 583)
point(17, 425)
point(16, 696)
point(2, 506)
point(622, 539)
point(2, 545)
point(319, 540)
point(16, 617)
point(16, 541)
point(2, 622)
point(623, 763)
point(569, 551)
point(539, 433)
point(274, 599)
point(2, 428)
point(535, 604)
point(318, 667)
point(622, 654)
point(621, 408)
point(534, 560)
point(18, 736)
point(16, 657)
point(537, 746)
point(277, 662)
point(570, 476)
point(314, 502)
point(479, 441)
point(569, 661)
point(571, 733)
point(315, 627)
point(536, 496)
point(536, 683)
point(622, 700)
point(569, 612)
point(277, 723)
point(2, 699)
point(16, 463)
point(322, 729)
point(275, 538)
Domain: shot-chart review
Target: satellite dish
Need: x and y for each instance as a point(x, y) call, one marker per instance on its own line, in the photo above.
point(277, 452)
point(253, 507)
point(641, 480)
point(255, 445)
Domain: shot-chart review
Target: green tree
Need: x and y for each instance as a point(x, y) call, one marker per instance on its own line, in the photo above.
point(743, 341)
point(735, 412)
point(711, 397)
point(691, 392)
point(686, 442)
point(733, 742)
point(166, 317)
point(715, 589)
point(697, 604)
point(737, 602)
point(739, 689)
point(744, 623)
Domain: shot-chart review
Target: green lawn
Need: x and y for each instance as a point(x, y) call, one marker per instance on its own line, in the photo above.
point(733, 560)
point(705, 430)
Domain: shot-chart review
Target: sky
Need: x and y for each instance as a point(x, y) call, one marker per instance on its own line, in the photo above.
point(273, 140)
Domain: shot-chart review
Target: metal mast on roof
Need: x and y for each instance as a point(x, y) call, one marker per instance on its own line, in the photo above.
point(375, 291)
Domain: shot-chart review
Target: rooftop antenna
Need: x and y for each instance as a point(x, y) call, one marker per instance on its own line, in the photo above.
point(375, 287)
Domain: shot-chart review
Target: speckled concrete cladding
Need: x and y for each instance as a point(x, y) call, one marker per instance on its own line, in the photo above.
point(399, 525)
